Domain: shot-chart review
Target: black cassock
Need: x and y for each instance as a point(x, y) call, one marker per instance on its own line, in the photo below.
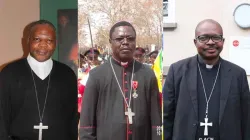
point(19, 111)
point(103, 108)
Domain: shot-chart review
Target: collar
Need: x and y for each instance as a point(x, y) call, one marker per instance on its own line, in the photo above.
point(123, 64)
point(203, 64)
point(41, 69)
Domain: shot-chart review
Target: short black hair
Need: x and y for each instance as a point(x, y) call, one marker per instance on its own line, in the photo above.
point(42, 22)
point(118, 24)
point(153, 52)
point(208, 21)
point(91, 51)
point(142, 50)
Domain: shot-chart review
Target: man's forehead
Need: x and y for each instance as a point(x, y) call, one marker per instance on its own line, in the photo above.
point(208, 28)
point(39, 26)
point(42, 28)
point(124, 30)
point(153, 54)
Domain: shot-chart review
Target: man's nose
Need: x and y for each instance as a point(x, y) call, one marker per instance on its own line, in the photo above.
point(125, 41)
point(43, 43)
point(210, 41)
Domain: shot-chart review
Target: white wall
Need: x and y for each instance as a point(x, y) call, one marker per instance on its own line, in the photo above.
point(178, 43)
point(15, 15)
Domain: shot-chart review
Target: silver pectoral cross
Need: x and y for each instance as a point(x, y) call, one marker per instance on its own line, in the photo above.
point(40, 127)
point(130, 114)
point(135, 95)
point(206, 124)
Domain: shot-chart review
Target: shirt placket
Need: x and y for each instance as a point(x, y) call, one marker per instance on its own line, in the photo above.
point(126, 90)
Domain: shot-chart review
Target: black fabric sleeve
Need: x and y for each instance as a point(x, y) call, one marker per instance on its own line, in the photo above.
point(169, 104)
point(87, 130)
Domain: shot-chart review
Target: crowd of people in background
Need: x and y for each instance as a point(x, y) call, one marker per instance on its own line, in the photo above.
point(94, 57)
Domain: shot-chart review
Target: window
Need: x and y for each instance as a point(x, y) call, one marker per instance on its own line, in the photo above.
point(165, 8)
point(169, 13)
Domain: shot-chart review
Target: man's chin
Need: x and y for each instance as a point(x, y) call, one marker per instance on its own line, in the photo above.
point(211, 57)
point(126, 58)
point(41, 58)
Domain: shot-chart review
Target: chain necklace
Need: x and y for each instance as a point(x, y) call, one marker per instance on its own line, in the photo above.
point(129, 112)
point(38, 106)
point(208, 98)
point(127, 103)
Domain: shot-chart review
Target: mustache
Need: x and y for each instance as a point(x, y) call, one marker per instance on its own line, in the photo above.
point(210, 47)
point(125, 48)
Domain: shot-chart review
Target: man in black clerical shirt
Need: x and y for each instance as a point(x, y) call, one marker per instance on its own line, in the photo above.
point(205, 96)
point(38, 95)
point(121, 98)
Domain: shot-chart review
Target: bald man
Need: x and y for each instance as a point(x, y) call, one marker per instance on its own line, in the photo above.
point(216, 104)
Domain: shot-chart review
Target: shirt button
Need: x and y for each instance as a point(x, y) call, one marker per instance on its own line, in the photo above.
point(125, 73)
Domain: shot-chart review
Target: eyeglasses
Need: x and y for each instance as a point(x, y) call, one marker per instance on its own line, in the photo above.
point(122, 39)
point(206, 38)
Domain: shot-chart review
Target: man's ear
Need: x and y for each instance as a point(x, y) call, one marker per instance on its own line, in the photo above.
point(28, 40)
point(195, 41)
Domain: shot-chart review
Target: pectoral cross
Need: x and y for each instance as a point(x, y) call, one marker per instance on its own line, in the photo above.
point(40, 127)
point(206, 124)
point(130, 114)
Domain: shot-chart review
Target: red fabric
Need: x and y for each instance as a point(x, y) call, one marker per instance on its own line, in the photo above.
point(161, 99)
point(80, 92)
point(87, 70)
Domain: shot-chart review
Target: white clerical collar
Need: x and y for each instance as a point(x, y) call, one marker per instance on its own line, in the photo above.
point(124, 64)
point(201, 61)
point(41, 69)
point(209, 66)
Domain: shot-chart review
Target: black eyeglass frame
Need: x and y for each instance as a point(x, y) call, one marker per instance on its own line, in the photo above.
point(210, 37)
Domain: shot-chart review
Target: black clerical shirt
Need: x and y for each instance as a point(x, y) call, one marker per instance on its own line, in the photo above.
point(18, 105)
point(103, 112)
point(209, 76)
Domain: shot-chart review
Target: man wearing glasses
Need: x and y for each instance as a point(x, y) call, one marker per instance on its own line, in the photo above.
point(121, 98)
point(205, 96)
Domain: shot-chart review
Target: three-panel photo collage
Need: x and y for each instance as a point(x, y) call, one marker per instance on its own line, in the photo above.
point(131, 70)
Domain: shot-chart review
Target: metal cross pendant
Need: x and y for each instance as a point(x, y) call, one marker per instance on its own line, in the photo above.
point(40, 127)
point(130, 114)
point(135, 95)
point(206, 124)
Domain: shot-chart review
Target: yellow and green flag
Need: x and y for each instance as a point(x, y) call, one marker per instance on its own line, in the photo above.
point(158, 70)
